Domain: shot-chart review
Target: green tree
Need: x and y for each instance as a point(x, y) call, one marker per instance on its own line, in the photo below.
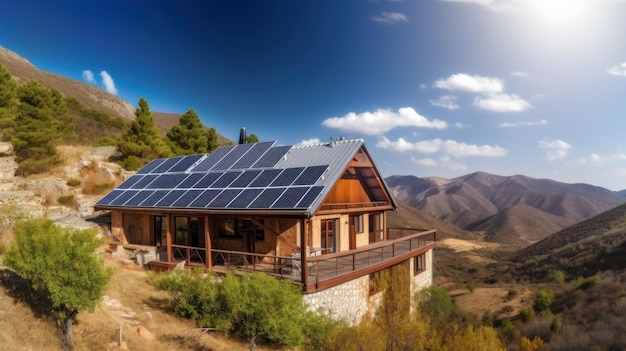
point(188, 137)
point(212, 140)
point(62, 261)
point(142, 141)
point(252, 138)
point(7, 97)
point(41, 121)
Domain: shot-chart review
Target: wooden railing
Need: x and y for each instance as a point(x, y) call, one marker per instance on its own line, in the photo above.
point(191, 254)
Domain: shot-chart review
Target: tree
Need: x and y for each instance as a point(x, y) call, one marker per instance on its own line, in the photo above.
point(41, 121)
point(252, 138)
point(7, 97)
point(212, 140)
point(62, 261)
point(188, 136)
point(543, 300)
point(142, 141)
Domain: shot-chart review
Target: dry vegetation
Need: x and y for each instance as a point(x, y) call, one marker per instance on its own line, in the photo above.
point(24, 324)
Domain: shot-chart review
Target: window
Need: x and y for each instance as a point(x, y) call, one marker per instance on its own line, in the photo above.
point(189, 231)
point(328, 235)
point(419, 262)
point(357, 223)
point(230, 227)
point(159, 225)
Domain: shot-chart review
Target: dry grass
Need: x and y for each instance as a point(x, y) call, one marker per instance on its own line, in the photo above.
point(24, 324)
point(500, 302)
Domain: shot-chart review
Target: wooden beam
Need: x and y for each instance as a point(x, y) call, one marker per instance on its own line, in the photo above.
point(207, 243)
point(168, 235)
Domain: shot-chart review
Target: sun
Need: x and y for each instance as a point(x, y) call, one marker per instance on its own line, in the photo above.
point(561, 15)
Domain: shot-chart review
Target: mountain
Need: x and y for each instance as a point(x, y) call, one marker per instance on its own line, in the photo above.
point(88, 95)
point(476, 202)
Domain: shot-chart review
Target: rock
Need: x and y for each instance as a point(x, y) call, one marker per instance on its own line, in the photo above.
point(145, 333)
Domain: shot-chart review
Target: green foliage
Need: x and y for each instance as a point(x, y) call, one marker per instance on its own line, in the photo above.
point(527, 315)
point(188, 137)
point(73, 182)
point(106, 141)
point(536, 344)
point(543, 300)
point(102, 119)
point(66, 199)
point(252, 138)
point(7, 97)
point(557, 324)
point(212, 140)
point(436, 302)
point(586, 283)
point(559, 277)
point(507, 330)
point(41, 122)
point(142, 141)
point(62, 261)
point(251, 306)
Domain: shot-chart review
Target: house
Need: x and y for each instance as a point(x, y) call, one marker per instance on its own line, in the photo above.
point(314, 214)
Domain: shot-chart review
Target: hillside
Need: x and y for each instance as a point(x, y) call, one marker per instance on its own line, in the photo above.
point(473, 202)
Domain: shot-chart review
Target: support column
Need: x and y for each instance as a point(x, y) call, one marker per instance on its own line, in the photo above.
point(303, 252)
point(207, 240)
point(170, 225)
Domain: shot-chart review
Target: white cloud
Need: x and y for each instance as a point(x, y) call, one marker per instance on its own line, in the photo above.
point(599, 160)
point(311, 141)
point(496, 5)
point(618, 70)
point(88, 76)
point(109, 84)
point(519, 74)
point(444, 162)
point(472, 84)
point(448, 147)
point(555, 148)
point(390, 18)
point(382, 120)
point(446, 101)
point(517, 124)
point(502, 103)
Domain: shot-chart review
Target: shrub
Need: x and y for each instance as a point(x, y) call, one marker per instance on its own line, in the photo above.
point(543, 300)
point(73, 182)
point(557, 324)
point(586, 283)
point(66, 200)
point(559, 277)
point(527, 315)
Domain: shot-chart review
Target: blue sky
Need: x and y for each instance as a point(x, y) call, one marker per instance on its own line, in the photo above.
point(435, 87)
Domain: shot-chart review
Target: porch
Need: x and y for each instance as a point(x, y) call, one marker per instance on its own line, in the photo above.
point(314, 272)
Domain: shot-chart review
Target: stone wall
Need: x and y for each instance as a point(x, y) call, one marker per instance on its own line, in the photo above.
point(349, 301)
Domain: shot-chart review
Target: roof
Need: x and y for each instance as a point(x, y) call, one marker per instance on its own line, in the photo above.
point(255, 178)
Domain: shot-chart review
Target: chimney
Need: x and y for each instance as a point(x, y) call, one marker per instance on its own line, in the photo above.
point(242, 135)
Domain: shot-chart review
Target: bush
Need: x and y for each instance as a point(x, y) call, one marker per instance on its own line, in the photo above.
point(557, 324)
point(73, 182)
point(543, 300)
point(67, 200)
point(559, 277)
point(586, 283)
point(527, 315)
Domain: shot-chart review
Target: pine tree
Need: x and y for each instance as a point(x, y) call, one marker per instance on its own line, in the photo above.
point(188, 136)
point(212, 140)
point(142, 141)
point(7, 97)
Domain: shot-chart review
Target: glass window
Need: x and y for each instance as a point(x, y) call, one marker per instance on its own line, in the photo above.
point(420, 264)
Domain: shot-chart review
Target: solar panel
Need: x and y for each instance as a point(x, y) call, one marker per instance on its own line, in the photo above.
point(187, 198)
point(212, 159)
point(232, 157)
point(106, 200)
point(155, 197)
point(245, 198)
point(290, 198)
point(191, 180)
point(168, 181)
point(138, 198)
point(264, 179)
point(128, 183)
point(267, 198)
point(169, 199)
point(244, 179)
point(287, 177)
point(207, 180)
point(310, 196)
point(144, 181)
point(167, 164)
point(225, 179)
point(120, 200)
point(150, 166)
point(185, 163)
point(205, 198)
point(257, 150)
point(271, 157)
point(310, 175)
point(224, 198)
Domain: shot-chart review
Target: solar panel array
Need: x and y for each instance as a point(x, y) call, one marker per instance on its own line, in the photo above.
point(234, 177)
